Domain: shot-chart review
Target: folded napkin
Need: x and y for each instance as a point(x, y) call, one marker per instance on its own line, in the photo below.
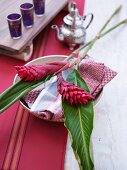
point(96, 75)
point(45, 101)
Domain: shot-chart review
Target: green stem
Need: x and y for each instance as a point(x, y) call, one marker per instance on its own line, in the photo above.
point(102, 35)
point(110, 18)
point(104, 26)
point(112, 28)
point(90, 44)
point(97, 37)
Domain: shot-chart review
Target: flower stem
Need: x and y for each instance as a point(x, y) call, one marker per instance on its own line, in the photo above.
point(103, 27)
point(97, 37)
point(110, 18)
point(112, 28)
point(90, 44)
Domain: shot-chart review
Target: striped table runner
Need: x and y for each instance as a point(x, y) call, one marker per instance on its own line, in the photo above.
point(27, 142)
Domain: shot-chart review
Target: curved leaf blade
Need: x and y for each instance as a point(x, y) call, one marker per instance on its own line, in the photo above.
point(79, 122)
point(17, 91)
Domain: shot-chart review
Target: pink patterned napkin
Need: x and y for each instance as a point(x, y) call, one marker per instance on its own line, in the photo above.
point(96, 75)
point(45, 101)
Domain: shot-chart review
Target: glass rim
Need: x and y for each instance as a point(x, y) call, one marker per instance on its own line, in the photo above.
point(26, 9)
point(20, 16)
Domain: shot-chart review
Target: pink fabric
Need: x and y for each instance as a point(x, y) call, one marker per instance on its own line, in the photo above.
point(108, 76)
point(96, 75)
point(92, 73)
point(7, 119)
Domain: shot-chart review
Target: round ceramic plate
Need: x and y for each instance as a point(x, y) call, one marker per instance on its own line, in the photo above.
point(47, 59)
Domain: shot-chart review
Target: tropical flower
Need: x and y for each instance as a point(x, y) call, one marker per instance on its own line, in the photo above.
point(37, 72)
point(73, 94)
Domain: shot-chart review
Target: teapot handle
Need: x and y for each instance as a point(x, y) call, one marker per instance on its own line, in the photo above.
point(91, 19)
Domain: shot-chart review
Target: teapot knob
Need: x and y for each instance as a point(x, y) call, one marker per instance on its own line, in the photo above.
point(73, 9)
point(72, 4)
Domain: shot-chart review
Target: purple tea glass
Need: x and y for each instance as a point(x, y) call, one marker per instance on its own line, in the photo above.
point(27, 14)
point(39, 7)
point(14, 23)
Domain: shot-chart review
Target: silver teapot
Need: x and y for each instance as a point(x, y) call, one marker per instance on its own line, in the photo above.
point(73, 30)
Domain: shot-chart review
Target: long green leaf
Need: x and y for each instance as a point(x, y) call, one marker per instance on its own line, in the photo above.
point(16, 91)
point(79, 122)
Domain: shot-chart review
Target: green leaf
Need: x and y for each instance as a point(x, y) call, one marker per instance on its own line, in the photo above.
point(79, 122)
point(17, 91)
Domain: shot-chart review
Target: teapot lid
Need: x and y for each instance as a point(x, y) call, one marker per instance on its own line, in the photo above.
point(73, 18)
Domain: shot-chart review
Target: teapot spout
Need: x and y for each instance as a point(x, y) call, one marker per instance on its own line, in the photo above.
point(59, 35)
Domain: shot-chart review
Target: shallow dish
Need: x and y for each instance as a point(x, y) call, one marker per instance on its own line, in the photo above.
point(47, 59)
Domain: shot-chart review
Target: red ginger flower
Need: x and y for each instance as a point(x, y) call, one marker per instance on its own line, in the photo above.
point(37, 72)
point(73, 94)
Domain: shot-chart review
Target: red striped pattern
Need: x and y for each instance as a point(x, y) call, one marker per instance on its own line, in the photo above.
point(21, 120)
point(25, 139)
